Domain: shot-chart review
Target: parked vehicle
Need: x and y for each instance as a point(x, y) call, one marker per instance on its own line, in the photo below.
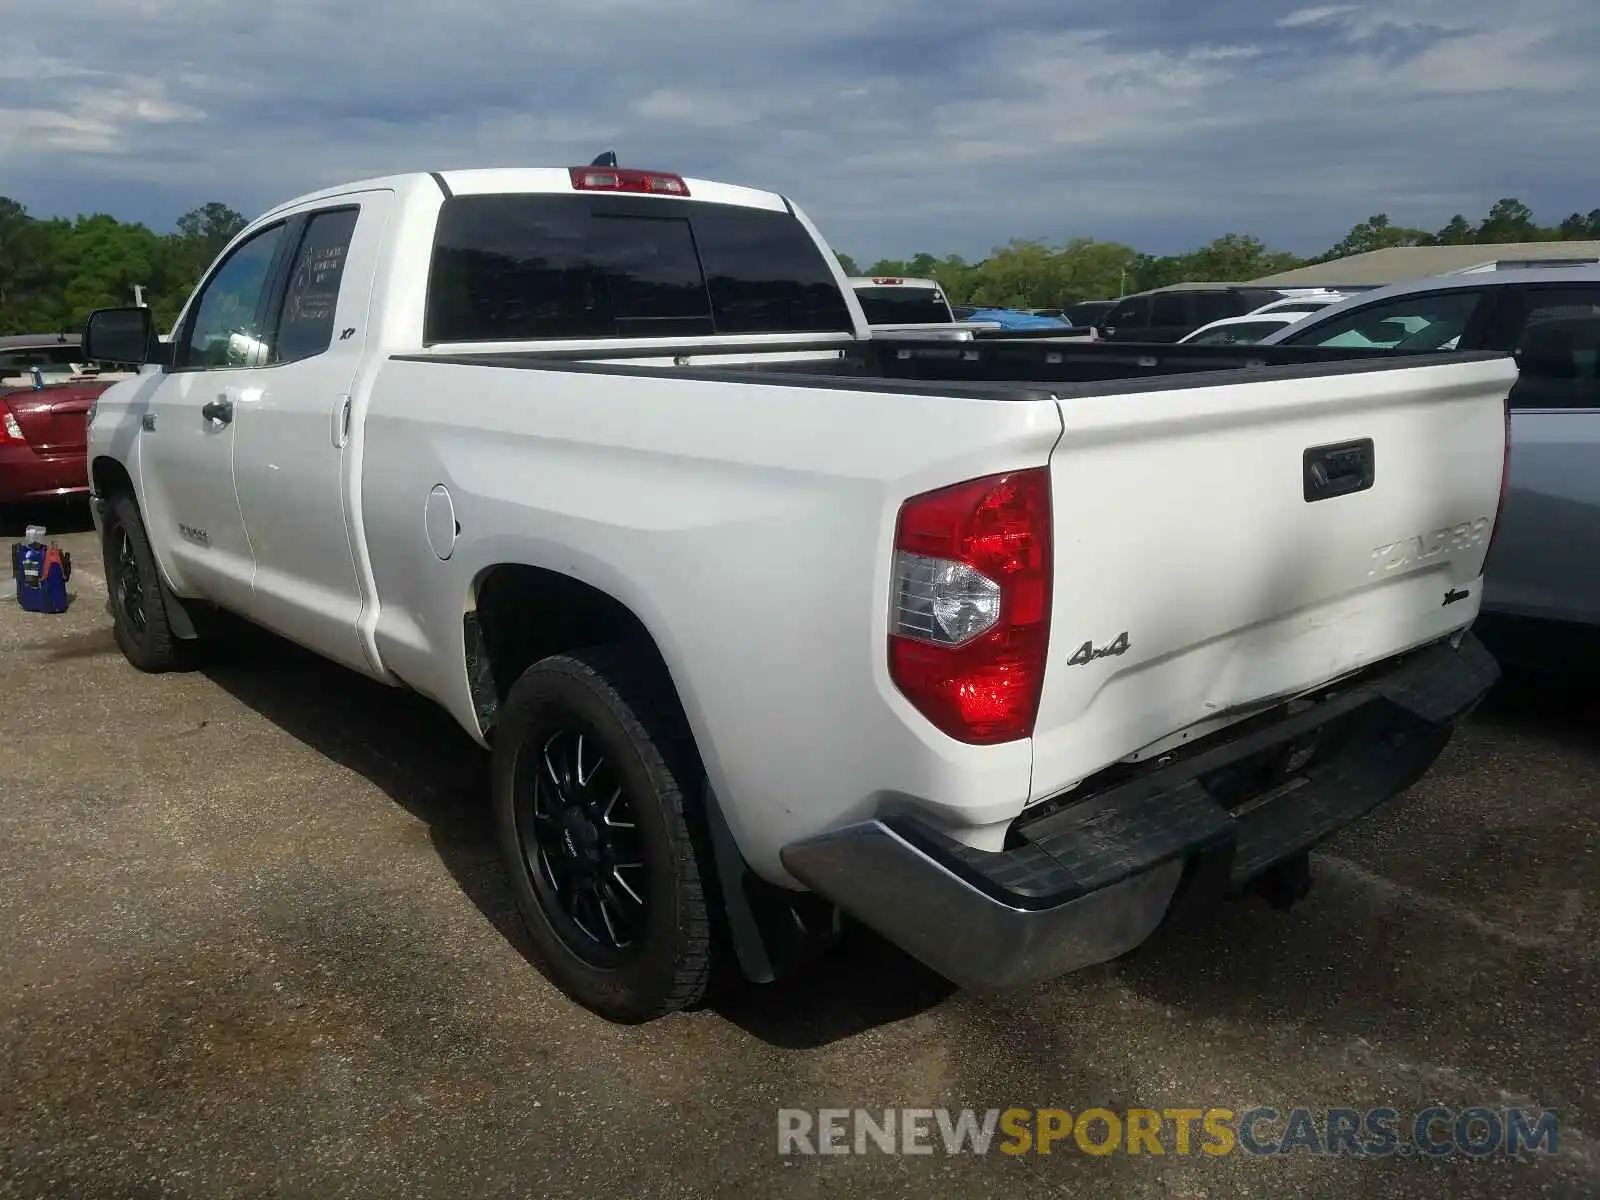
point(1302, 304)
point(42, 437)
point(1087, 313)
point(1167, 314)
point(762, 617)
point(891, 301)
point(21, 352)
point(1240, 331)
point(1542, 605)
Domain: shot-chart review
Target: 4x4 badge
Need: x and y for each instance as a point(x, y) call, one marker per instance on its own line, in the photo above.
point(1087, 653)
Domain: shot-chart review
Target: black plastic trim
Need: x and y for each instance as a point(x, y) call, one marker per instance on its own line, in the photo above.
point(1385, 728)
point(443, 186)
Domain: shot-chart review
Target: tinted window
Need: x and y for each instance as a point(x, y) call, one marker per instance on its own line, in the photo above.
point(1130, 314)
point(1243, 334)
point(1214, 306)
point(1426, 321)
point(1088, 312)
point(306, 327)
point(765, 273)
point(1558, 350)
point(1171, 308)
point(526, 267)
point(225, 327)
point(651, 275)
point(892, 305)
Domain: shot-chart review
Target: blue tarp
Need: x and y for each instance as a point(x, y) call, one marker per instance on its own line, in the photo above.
point(1010, 318)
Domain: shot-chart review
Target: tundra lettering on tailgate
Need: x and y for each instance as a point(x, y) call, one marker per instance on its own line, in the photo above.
point(1428, 546)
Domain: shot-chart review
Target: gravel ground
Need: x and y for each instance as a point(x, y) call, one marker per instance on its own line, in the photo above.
point(254, 940)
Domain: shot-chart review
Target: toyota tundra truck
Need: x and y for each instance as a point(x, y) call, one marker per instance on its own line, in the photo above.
point(1007, 650)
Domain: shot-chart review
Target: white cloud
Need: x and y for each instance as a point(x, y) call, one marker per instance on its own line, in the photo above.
point(1322, 15)
point(899, 125)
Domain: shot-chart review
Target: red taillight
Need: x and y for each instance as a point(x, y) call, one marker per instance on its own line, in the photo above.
point(1505, 481)
point(10, 431)
point(887, 282)
point(621, 179)
point(971, 616)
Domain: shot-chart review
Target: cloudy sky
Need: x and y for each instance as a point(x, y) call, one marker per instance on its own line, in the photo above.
point(899, 125)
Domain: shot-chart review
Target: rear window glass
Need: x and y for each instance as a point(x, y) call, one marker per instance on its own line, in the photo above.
point(23, 360)
point(522, 267)
point(898, 305)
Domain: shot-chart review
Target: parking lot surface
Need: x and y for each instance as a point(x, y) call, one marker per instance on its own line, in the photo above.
point(254, 939)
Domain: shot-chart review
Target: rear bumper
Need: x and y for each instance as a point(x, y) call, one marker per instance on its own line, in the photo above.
point(27, 476)
point(1091, 876)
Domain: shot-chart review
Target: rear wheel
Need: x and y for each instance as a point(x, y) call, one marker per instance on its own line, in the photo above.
point(591, 768)
point(139, 604)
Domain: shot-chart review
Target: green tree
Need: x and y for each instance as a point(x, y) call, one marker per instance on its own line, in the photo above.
point(1377, 233)
point(1509, 220)
point(1457, 232)
point(848, 263)
point(1578, 227)
point(24, 265)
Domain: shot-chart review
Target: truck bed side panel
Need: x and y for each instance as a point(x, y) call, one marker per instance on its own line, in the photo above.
point(747, 524)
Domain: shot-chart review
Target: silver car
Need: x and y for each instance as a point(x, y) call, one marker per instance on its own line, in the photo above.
point(1544, 572)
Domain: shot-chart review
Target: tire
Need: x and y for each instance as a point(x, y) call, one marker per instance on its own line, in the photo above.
point(143, 628)
point(591, 766)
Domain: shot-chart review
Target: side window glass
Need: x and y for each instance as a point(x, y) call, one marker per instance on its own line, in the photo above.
point(1170, 308)
point(226, 327)
point(305, 328)
point(1558, 350)
point(1427, 321)
point(1215, 306)
point(1130, 314)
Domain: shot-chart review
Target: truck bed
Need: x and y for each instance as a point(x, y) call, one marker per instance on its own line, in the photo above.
point(1002, 369)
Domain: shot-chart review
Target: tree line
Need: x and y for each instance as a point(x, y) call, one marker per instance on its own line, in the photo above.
point(54, 271)
point(1035, 274)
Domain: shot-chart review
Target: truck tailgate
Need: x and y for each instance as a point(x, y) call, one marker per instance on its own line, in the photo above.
point(1220, 547)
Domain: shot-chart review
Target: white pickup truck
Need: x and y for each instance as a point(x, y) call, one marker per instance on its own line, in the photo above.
point(1004, 649)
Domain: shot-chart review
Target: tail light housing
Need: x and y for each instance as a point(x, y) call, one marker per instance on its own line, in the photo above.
point(10, 431)
point(624, 179)
point(970, 621)
point(1505, 482)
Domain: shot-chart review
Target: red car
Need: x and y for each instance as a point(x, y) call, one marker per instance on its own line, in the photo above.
point(44, 402)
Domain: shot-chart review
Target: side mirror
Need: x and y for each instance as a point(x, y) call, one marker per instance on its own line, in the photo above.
point(125, 335)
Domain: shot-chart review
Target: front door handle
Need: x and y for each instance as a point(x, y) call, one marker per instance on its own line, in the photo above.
point(219, 410)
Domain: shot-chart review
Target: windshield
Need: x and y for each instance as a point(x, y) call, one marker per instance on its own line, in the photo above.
point(1243, 334)
point(1421, 321)
point(897, 305)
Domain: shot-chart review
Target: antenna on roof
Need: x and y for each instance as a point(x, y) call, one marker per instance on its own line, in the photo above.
point(608, 159)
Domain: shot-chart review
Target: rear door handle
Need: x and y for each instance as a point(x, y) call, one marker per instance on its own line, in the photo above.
point(1341, 469)
point(219, 410)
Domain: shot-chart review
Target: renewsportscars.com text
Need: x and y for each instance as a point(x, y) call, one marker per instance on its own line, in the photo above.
point(1363, 1133)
